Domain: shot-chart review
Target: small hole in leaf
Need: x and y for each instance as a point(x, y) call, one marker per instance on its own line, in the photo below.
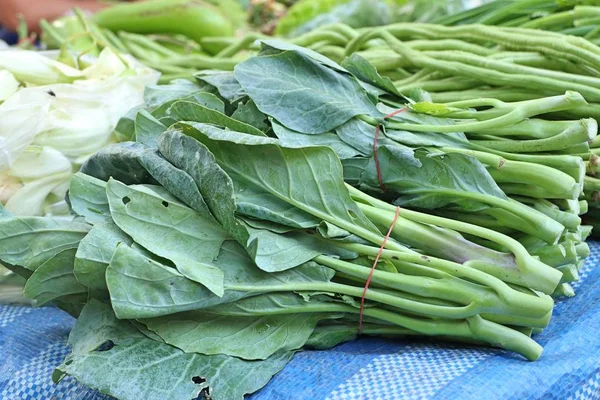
point(198, 380)
point(126, 200)
point(395, 258)
point(109, 344)
point(69, 362)
point(352, 214)
point(165, 204)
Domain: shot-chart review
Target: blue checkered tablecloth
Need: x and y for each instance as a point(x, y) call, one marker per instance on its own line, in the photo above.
point(32, 342)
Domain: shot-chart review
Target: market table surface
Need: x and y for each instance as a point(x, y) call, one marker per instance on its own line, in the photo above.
point(33, 341)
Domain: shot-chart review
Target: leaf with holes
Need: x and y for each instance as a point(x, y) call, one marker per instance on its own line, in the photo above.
point(226, 201)
point(170, 230)
point(113, 357)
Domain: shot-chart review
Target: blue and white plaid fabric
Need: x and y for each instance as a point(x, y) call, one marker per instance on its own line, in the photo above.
point(32, 341)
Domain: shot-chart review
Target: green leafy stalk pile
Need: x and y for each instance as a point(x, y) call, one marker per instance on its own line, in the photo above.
point(475, 70)
point(578, 18)
point(523, 181)
point(242, 224)
point(571, 17)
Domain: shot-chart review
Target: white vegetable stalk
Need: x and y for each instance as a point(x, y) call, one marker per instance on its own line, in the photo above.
point(8, 85)
point(33, 68)
point(54, 117)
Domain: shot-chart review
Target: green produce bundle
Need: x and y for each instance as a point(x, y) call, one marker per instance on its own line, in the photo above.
point(578, 18)
point(528, 158)
point(248, 221)
point(573, 17)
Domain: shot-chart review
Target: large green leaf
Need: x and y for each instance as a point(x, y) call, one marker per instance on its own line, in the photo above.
point(252, 329)
point(328, 336)
point(301, 93)
point(125, 129)
point(147, 128)
point(87, 196)
point(308, 178)
point(207, 100)
point(225, 83)
point(142, 165)
point(175, 180)
point(290, 138)
point(94, 254)
point(189, 111)
point(361, 136)
point(135, 367)
point(142, 288)
point(157, 95)
point(31, 241)
point(259, 204)
point(363, 70)
point(170, 230)
point(276, 46)
point(426, 180)
point(248, 113)
point(119, 161)
point(54, 279)
point(211, 181)
point(274, 252)
point(270, 251)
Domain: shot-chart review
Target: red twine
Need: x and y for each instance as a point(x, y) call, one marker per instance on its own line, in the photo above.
point(380, 179)
point(362, 300)
point(377, 130)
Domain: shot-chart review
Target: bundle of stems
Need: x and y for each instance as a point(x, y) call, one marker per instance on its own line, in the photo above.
point(509, 91)
point(570, 18)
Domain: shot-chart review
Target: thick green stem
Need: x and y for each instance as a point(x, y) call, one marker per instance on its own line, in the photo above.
point(516, 112)
point(569, 220)
point(533, 191)
point(585, 130)
point(557, 255)
point(480, 299)
point(373, 295)
point(570, 273)
point(503, 170)
point(537, 305)
point(527, 270)
point(529, 129)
